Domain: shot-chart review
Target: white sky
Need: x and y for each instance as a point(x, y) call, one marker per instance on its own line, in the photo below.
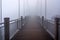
point(29, 7)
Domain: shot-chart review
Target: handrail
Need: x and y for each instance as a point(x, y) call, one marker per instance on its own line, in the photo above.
point(50, 21)
point(14, 20)
point(9, 21)
point(6, 26)
point(1, 23)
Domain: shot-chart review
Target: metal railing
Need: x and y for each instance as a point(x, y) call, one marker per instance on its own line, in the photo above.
point(9, 28)
point(52, 28)
point(1, 23)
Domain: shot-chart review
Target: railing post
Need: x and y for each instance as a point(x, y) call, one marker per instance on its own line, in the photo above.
point(21, 21)
point(17, 24)
point(42, 20)
point(57, 30)
point(6, 26)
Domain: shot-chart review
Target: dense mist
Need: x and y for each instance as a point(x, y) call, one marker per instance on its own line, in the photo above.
point(16, 8)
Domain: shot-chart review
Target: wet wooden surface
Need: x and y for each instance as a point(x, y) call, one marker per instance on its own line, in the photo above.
point(32, 31)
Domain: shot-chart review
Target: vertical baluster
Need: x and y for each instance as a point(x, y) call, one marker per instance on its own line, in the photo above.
point(42, 20)
point(21, 21)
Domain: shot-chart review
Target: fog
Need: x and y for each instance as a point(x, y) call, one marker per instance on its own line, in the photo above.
point(30, 7)
point(14, 9)
point(53, 8)
point(10, 9)
point(0, 10)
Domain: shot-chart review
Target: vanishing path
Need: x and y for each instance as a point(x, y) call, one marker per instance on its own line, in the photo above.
point(32, 31)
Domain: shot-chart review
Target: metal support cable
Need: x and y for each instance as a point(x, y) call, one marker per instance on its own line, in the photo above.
point(19, 8)
point(41, 7)
point(24, 6)
point(45, 9)
point(28, 6)
point(38, 8)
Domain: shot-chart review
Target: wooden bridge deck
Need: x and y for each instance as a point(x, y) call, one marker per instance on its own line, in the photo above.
point(32, 31)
